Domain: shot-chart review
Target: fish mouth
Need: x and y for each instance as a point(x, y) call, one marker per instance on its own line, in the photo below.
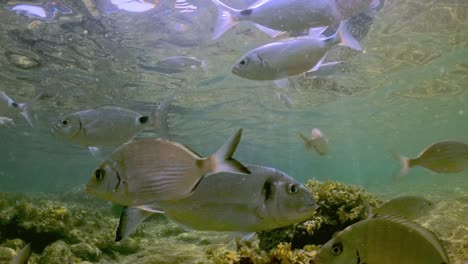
point(309, 208)
point(235, 70)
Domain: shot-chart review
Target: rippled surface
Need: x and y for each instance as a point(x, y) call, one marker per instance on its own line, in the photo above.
point(407, 90)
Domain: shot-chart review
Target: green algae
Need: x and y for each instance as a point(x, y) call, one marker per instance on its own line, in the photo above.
point(61, 231)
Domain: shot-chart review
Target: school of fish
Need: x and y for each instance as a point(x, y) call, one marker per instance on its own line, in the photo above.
point(220, 193)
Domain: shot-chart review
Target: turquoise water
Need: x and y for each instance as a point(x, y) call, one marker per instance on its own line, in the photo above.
point(406, 91)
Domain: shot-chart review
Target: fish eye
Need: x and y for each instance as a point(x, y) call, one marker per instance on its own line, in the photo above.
point(65, 122)
point(243, 62)
point(293, 188)
point(337, 248)
point(99, 174)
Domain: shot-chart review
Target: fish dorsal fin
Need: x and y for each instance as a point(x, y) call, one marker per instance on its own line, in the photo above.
point(428, 235)
point(257, 4)
point(130, 219)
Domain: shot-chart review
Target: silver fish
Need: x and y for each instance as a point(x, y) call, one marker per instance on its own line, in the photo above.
point(409, 207)
point(110, 125)
point(23, 255)
point(327, 69)
point(316, 141)
point(276, 16)
point(383, 240)
point(283, 59)
point(264, 200)
point(178, 63)
point(448, 156)
point(10, 108)
point(143, 171)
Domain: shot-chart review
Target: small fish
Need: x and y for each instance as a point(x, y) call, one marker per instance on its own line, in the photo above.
point(409, 207)
point(46, 12)
point(143, 171)
point(317, 141)
point(283, 59)
point(7, 122)
point(264, 200)
point(135, 5)
point(110, 125)
point(442, 157)
point(23, 255)
point(276, 16)
point(181, 62)
point(383, 240)
point(10, 108)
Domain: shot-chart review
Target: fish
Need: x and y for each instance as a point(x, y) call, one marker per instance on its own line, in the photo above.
point(143, 171)
point(23, 255)
point(409, 207)
point(9, 108)
point(277, 16)
point(449, 156)
point(265, 199)
point(181, 62)
point(383, 240)
point(47, 11)
point(7, 122)
point(316, 141)
point(282, 59)
point(135, 5)
point(110, 125)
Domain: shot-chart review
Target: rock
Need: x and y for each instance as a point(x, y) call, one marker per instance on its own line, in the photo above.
point(6, 254)
point(22, 61)
point(57, 253)
point(126, 246)
point(86, 251)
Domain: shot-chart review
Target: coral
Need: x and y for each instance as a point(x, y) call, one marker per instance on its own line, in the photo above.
point(52, 226)
point(340, 205)
point(57, 253)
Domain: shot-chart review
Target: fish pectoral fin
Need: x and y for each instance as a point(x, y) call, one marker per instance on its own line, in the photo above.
point(316, 32)
point(282, 83)
point(130, 219)
point(153, 208)
point(270, 32)
point(260, 212)
point(318, 64)
point(96, 152)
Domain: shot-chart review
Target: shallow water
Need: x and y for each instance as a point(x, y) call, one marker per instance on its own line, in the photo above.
point(406, 91)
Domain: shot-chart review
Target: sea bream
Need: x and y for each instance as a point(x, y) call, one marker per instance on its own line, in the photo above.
point(449, 156)
point(152, 170)
point(409, 207)
point(383, 240)
point(276, 16)
point(279, 60)
point(316, 141)
point(110, 125)
point(263, 200)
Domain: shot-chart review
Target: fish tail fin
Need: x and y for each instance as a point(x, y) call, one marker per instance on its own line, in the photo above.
point(226, 19)
point(308, 143)
point(159, 116)
point(346, 38)
point(222, 160)
point(404, 165)
point(26, 108)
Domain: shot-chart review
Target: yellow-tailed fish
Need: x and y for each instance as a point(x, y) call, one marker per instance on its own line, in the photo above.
point(448, 156)
point(316, 141)
point(144, 171)
point(383, 240)
point(263, 200)
point(23, 255)
point(409, 207)
point(111, 125)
